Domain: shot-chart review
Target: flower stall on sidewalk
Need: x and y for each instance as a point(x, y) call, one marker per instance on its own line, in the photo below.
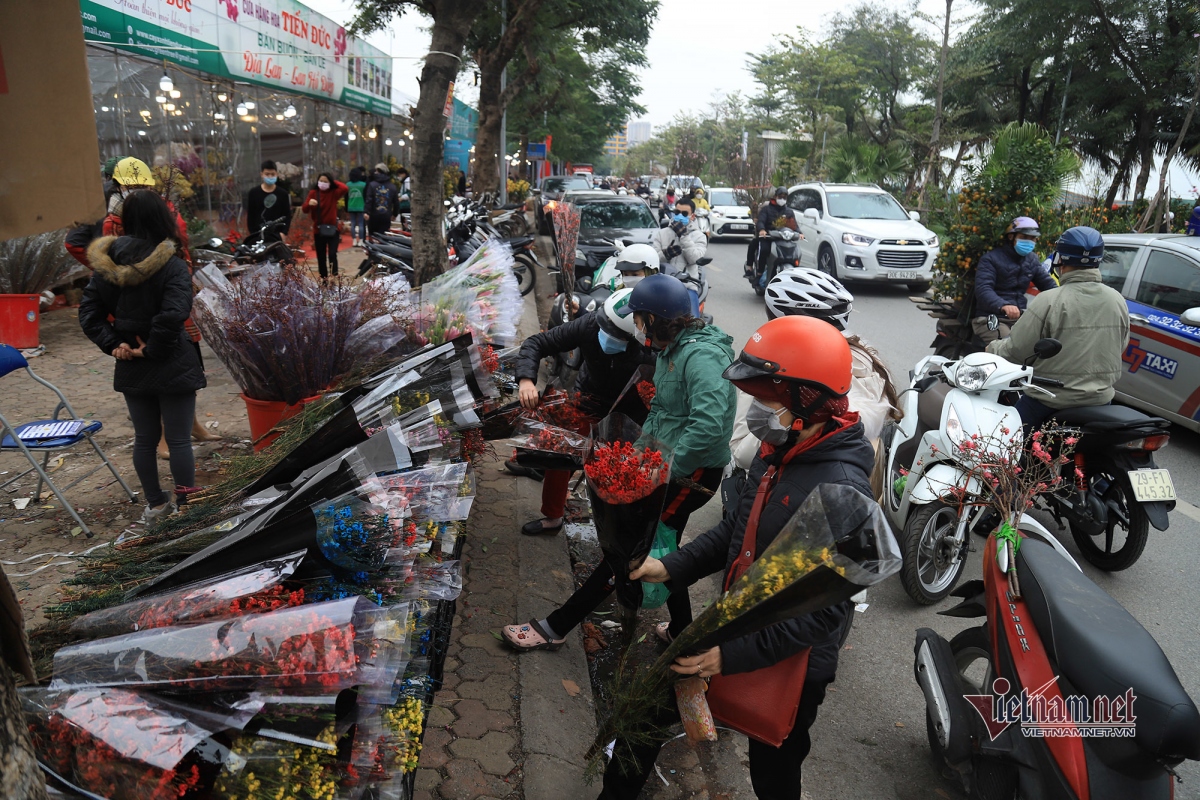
point(283, 637)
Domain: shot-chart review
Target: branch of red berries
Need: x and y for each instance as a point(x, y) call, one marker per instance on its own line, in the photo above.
point(621, 472)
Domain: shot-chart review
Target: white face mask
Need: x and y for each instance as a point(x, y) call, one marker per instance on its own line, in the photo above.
point(322, 185)
point(781, 201)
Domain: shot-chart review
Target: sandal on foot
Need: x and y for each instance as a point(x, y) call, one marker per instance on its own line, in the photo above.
point(663, 631)
point(530, 636)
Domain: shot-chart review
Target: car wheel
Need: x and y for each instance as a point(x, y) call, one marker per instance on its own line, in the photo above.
point(826, 262)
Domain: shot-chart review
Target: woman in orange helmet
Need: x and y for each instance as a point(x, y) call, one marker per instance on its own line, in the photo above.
point(798, 370)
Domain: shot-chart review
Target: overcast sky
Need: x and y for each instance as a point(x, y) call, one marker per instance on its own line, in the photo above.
point(697, 51)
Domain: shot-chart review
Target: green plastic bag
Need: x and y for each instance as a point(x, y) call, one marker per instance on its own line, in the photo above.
point(656, 594)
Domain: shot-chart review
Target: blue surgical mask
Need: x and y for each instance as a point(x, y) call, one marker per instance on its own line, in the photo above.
point(270, 181)
point(1023, 247)
point(682, 219)
point(611, 345)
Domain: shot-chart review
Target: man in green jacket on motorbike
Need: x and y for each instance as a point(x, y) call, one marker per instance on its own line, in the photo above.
point(1091, 321)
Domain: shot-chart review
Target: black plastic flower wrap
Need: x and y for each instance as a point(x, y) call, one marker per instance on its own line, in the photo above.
point(544, 446)
point(835, 545)
point(257, 587)
point(627, 476)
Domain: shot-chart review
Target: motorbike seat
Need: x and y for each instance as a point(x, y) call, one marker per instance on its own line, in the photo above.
point(395, 250)
point(518, 242)
point(1103, 651)
point(929, 406)
point(1097, 419)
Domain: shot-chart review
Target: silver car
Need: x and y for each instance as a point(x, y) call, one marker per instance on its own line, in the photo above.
point(1159, 276)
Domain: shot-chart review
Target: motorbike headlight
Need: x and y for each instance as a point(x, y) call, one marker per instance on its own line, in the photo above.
point(972, 377)
point(591, 306)
point(856, 240)
point(931, 242)
point(581, 256)
point(954, 428)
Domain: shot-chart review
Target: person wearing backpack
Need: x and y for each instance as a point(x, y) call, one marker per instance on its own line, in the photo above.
point(382, 200)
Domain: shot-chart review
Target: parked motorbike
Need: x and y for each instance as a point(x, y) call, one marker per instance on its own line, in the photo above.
point(946, 403)
point(785, 252)
point(1060, 695)
point(232, 259)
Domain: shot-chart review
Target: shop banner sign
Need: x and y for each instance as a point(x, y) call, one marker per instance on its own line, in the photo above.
point(279, 44)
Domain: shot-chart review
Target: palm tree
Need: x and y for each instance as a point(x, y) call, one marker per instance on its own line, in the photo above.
point(854, 160)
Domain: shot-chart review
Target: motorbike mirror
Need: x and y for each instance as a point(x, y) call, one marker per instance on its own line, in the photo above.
point(993, 322)
point(1047, 348)
point(926, 382)
point(664, 223)
point(700, 262)
point(215, 242)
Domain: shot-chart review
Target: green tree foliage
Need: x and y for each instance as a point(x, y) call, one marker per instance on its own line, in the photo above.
point(855, 160)
point(1022, 176)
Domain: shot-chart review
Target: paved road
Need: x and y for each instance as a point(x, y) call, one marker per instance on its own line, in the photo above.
point(869, 742)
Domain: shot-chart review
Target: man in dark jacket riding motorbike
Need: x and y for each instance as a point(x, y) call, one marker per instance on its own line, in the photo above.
point(773, 215)
point(1002, 277)
point(611, 354)
point(798, 370)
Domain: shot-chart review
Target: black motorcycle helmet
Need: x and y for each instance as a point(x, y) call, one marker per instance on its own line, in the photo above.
point(779, 191)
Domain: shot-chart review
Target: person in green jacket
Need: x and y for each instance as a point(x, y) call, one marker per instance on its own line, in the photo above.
point(692, 414)
point(356, 205)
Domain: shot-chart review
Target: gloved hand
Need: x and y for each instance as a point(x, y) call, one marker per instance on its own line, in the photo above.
point(679, 228)
point(673, 252)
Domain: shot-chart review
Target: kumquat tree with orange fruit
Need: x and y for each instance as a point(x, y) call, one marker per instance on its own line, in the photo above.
point(1023, 175)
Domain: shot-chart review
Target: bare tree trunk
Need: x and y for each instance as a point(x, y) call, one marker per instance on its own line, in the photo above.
point(20, 778)
point(1121, 176)
point(1151, 220)
point(963, 146)
point(451, 22)
point(487, 137)
point(935, 137)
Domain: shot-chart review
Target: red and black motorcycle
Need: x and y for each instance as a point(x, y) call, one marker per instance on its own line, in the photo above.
point(1060, 694)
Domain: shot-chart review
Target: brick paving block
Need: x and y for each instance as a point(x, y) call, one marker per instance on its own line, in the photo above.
point(450, 682)
point(427, 783)
point(482, 667)
point(439, 716)
point(496, 691)
point(475, 719)
point(484, 641)
point(433, 748)
point(467, 781)
point(491, 751)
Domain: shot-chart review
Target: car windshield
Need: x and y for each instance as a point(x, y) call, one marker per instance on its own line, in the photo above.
point(615, 215)
point(864, 205)
point(728, 197)
point(656, 183)
point(568, 183)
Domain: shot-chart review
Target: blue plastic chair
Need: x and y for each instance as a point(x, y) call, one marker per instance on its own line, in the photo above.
point(10, 361)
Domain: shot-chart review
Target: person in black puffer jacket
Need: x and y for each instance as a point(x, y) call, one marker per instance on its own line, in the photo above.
point(133, 309)
point(798, 370)
point(611, 355)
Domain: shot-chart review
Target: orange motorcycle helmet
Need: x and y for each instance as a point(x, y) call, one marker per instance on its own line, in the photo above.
point(799, 361)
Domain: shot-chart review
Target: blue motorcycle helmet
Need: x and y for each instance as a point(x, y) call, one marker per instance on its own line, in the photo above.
point(661, 295)
point(1079, 247)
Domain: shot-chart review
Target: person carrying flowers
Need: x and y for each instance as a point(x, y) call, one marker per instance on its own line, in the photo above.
point(612, 353)
point(691, 413)
point(798, 370)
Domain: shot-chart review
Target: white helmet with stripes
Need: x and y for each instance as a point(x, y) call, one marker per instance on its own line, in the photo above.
point(811, 293)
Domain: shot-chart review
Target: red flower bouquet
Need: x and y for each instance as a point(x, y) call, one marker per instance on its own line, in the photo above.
point(116, 743)
point(544, 446)
point(248, 590)
point(645, 390)
point(317, 646)
point(627, 477)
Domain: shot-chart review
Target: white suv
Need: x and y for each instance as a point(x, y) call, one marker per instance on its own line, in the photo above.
point(859, 232)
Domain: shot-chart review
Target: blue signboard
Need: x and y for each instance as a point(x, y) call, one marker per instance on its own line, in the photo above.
point(537, 150)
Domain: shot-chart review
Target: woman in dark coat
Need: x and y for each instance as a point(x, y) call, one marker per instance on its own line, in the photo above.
point(134, 309)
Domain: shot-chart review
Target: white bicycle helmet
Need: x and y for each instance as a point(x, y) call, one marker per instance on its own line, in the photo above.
point(611, 319)
point(638, 256)
point(810, 293)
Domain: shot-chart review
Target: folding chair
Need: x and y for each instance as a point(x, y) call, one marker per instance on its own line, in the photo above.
point(10, 361)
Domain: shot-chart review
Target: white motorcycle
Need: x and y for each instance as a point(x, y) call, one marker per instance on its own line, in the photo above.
point(946, 403)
